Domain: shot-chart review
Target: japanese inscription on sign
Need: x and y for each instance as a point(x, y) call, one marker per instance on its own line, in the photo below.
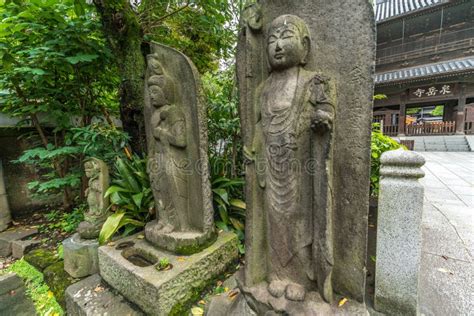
point(433, 91)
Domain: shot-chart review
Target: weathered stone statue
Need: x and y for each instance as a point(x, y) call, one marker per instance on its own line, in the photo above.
point(177, 143)
point(98, 173)
point(305, 73)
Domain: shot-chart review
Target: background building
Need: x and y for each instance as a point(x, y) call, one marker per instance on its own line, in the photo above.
point(425, 67)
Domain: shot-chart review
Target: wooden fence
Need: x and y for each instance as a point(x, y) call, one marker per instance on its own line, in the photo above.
point(390, 130)
point(469, 128)
point(431, 128)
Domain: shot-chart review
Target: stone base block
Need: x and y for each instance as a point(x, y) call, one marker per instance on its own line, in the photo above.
point(22, 247)
point(91, 296)
point(258, 301)
point(80, 256)
point(7, 237)
point(165, 292)
point(13, 299)
point(183, 243)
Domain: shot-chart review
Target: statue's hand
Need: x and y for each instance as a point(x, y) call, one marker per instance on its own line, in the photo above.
point(322, 121)
point(158, 133)
point(249, 155)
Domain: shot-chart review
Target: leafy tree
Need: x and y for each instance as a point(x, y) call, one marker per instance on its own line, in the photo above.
point(57, 73)
point(202, 29)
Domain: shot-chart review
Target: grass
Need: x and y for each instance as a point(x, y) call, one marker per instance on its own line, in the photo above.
point(36, 289)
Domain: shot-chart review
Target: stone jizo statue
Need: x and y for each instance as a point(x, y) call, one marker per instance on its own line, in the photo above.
point(305, 109)
point(177, 143)
point(294, 113)
point(98, 173)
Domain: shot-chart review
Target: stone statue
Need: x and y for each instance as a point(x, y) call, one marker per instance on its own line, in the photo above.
point(295, 113)
point(98, 173)
point(177, 143)
point(305, 108)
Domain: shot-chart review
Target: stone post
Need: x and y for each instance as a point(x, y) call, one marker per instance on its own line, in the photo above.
point(399, 233)
point(5, 217)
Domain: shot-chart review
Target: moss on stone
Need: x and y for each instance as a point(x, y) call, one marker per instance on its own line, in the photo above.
point(41, 258)
point(58, 280)
point(187, 250)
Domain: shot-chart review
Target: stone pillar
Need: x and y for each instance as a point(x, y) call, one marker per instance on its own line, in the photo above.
point(401, 116)
point(80, 256)
point(461, 111)
point(5, 217)
point(399, 233)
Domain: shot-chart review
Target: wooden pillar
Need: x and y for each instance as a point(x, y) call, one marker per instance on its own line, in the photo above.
point(461, 110)
point(401, 116)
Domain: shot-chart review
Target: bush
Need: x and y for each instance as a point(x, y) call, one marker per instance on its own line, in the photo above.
point(380, 144)
point(131, 198)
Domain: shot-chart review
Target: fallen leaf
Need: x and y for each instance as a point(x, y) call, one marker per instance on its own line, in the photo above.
point(181, 259)
point(219, 283)
point(111, 244)
point(232, 294)
point(202, 302)
point(50, 294)
point(99, 289)
point(444, 257)
point(226, 289)
point(197, 311)
point(140, 236)
point(342, 302)
point(372, 226)
point(12, 292)
point(445, 271)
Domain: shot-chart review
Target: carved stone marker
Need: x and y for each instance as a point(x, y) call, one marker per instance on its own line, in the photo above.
point(98, 174)
point(183, 235)
point(80, 250)
point(399, 233)
point(176, 125)
point(5, 217)
point(305, 73)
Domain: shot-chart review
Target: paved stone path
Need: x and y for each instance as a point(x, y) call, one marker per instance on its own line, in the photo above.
point(447, 267)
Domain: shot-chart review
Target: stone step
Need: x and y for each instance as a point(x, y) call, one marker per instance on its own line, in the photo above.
point(7, 237)
point(458, 148)
point(91, 296)
point(13, 299)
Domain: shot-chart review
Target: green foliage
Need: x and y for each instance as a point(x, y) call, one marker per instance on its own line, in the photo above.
point(380, 144)
point(438, 110)
point(56, 73)
point(36, 288)
point(131, 198)
point(100, 141)
point(66, 222)
point(163, 263)
point(203, 30)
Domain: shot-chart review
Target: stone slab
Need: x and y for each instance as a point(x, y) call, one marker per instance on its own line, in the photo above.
point(164, 292)
point(80, 256)
point(91, 297)
point(13, 299)
point(7, 237)
point(22, 247)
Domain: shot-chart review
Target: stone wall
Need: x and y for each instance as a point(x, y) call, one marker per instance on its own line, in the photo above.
point(17, 176)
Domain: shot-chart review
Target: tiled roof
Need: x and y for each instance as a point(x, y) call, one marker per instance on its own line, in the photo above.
point(386, 9)
point(424, 71)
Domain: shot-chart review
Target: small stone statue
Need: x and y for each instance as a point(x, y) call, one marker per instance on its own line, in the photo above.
point(98, 173)
point(177, 143)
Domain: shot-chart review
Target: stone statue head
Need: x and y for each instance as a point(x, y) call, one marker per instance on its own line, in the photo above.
point(91, 167)
point(288, 42)
point(160, 86)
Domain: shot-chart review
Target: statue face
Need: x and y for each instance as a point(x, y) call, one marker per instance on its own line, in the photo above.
point(157, 97)
point(90, 167)
point(285, 47)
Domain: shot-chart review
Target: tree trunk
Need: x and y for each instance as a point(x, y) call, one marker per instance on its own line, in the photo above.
point(124, 33)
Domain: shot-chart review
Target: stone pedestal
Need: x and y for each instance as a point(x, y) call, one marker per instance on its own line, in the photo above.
point(5, 217)
point(130, 267)
point(13, 299)
point(91, 296)
point(80, 256)
point(399, 233)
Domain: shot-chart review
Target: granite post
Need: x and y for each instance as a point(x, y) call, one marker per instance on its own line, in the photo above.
point(399, 233)
point(5, 217)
